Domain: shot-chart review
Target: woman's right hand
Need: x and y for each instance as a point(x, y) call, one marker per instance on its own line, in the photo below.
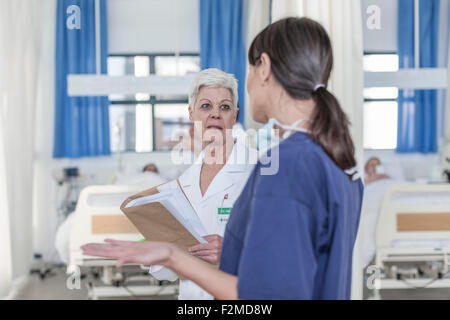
point(129, 252)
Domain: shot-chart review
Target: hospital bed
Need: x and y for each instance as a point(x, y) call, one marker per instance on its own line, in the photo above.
point(97, 217)
point(412, 238)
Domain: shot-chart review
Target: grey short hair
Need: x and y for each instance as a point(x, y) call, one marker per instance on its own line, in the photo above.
point(213, 77)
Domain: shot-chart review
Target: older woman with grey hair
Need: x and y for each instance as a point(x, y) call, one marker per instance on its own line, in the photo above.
point(215, 180)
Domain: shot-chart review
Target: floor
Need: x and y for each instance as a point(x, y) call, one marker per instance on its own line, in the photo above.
point(57, 285)
point(54, 286)
point(406, 294)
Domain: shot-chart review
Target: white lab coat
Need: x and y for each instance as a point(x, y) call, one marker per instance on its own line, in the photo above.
point(223, 191)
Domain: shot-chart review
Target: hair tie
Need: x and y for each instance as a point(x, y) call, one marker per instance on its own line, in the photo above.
point(319, 85)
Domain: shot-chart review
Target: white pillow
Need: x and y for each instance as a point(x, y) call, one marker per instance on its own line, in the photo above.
point(142, 178)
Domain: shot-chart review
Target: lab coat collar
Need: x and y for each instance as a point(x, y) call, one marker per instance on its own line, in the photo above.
point(241, 158)
point(239, 161)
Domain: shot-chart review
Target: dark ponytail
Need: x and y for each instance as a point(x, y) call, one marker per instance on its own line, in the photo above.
point(301, 60)
point(330, 129)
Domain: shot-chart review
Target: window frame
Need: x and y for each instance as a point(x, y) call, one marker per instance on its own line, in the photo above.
point(378, 99)
point(152, 101)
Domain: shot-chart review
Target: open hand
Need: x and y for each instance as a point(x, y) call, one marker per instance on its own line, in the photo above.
point(130, 252)
point(210, 251)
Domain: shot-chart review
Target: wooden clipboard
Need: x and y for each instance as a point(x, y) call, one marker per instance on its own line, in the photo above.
point(156, 223)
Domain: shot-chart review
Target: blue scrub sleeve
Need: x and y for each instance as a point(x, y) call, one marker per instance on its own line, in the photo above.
point(278, 260)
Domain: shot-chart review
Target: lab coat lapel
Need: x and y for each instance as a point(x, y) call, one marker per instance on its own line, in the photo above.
point(229, 174)
point(190, 180)
point(221, 182)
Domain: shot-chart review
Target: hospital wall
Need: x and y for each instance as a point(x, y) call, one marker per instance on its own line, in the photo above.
point(127, 22)
point(172, 25)
point(145, 26)
point(411, 167)
point(385, 38)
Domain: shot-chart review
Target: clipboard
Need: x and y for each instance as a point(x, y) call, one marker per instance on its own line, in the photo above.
point(156, 223)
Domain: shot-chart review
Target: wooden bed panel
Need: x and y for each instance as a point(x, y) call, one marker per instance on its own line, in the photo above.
point(109, 224)
point(407, 222)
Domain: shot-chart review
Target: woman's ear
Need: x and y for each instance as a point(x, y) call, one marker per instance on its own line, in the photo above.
point(190, 114)
point(265, 68)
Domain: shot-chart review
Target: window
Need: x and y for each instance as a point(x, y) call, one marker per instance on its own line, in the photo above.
point(143, 122)
point(380, 105)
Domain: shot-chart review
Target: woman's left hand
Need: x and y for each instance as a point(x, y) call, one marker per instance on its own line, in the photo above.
point(210, 251)
point(146, 253)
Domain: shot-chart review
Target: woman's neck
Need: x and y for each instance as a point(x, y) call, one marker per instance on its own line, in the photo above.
point(287, 110)
point(218, 154)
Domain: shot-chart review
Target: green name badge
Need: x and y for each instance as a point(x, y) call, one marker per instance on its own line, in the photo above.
point(224, 210)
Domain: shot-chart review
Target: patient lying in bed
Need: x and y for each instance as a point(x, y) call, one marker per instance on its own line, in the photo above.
point(374, 171)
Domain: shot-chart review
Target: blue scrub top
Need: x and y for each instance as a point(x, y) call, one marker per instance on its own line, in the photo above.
point(291, 235)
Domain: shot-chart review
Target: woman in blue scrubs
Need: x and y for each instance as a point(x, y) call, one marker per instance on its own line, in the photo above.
point(291, 232)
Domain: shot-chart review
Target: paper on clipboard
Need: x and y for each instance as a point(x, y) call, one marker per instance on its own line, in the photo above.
point(164, 213)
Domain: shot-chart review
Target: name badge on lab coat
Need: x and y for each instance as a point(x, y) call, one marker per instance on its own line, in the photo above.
point(224, 214)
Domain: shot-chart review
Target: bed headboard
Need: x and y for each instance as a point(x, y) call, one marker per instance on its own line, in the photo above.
point(414, 212)
point(98, 216)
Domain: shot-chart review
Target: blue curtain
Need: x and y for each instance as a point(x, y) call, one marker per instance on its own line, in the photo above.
point(417, 109)
point(81, 123)
point(222, 42)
